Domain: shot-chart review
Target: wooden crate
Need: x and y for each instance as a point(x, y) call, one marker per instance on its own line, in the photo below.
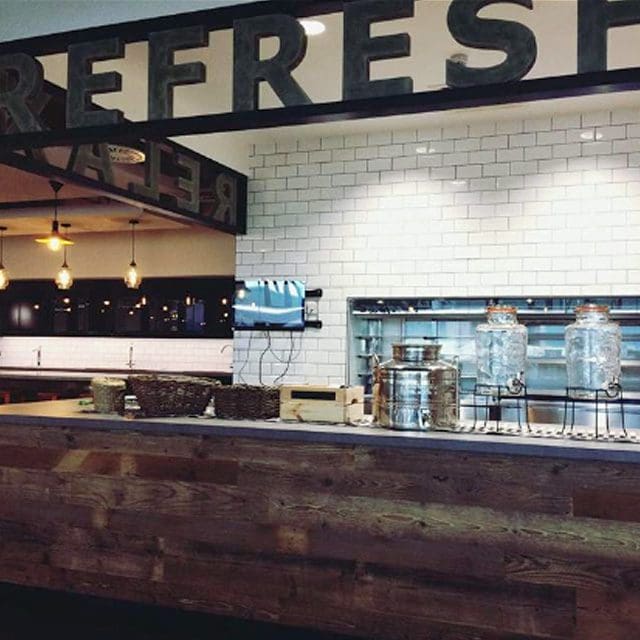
point(317, 403)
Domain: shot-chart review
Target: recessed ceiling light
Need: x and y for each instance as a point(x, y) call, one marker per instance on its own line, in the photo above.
point(313, 27)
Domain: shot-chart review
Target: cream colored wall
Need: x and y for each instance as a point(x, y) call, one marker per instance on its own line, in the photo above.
point(192, 252)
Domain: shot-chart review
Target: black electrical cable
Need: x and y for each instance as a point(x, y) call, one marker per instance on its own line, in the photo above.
point(246, 360)
point(262, 355)
point(290, 359)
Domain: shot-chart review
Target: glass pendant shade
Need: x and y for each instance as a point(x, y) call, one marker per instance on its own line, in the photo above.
point(64, 278)
point(4, 278)
point(132, 277)
point(4, 274)
point(55, 240)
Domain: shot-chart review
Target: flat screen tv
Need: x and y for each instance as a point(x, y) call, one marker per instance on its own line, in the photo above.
point(269, 305)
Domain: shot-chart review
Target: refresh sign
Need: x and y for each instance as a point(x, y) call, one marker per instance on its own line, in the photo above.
point(19, 94)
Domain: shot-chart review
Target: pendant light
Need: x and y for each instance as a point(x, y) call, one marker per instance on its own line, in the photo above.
point(55, 240)
point(64, 277)
point(132, 276)
point(4, 274)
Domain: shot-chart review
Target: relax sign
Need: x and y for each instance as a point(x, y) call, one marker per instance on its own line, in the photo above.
point(361, 95)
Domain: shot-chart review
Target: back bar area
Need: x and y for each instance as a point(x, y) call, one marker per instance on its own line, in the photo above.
point(376, 323)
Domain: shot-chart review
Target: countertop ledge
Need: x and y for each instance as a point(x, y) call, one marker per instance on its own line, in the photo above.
point(87, 374)
point(67, 414)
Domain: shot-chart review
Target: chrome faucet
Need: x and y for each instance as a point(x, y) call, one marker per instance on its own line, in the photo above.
point(130, 362)
point(38, 353)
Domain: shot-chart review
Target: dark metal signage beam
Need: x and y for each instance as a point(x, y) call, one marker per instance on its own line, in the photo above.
point(362, 96)
point(422, 102)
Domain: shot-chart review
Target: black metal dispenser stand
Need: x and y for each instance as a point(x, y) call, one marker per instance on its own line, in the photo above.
point(500, 393)
point(611, 395)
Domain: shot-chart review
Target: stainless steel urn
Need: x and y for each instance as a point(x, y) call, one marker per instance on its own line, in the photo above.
point(416, 390)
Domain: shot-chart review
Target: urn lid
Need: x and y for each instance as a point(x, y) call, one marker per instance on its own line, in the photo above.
point(416, 352)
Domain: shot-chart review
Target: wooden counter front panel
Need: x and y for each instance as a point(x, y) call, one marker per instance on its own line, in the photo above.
point(371, 542)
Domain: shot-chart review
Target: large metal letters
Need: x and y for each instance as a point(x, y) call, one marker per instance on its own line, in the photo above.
point(516, 40)
point(360, 49)
point(249, 70)
point(83, 84)
point(164, 74)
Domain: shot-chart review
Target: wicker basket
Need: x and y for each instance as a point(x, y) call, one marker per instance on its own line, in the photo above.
point(247, 402)
point(108, 394)
point(225, 401)
point(162, 395)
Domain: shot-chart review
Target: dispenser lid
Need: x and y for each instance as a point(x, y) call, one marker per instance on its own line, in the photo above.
point(416, 351)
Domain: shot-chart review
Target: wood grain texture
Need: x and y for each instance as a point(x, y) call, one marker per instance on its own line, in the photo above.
point(365, 541)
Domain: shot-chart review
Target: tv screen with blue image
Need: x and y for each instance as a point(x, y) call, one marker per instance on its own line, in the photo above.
point(269, 304)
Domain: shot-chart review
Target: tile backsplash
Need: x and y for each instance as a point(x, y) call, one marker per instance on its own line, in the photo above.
point(160, 354)
point(511, 207)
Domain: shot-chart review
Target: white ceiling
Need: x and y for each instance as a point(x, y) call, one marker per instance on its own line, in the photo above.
point(23, 18)
point(86, 210)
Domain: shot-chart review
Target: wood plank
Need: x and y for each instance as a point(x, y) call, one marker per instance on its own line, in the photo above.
point(382, 625)
point(610, 616)
point(30, 457)
point(466, 525)
point(186, 470)
point(426, 486)
point(94, 491)
point(539, 612)
point(593, 573)
point(607, 505)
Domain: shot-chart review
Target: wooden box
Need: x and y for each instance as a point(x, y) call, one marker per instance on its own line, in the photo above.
point(317, 403)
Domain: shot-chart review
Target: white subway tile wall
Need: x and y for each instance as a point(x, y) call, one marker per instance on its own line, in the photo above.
point(548, 206)
point(176, 354)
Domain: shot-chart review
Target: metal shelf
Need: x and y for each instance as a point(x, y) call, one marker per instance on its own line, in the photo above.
point(561, 361)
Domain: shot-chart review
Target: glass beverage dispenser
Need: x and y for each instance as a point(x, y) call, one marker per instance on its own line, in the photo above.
point(592, 345)
point(501, 351)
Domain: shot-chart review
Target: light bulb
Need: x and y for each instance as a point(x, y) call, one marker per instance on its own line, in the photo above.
point(64, 279)
point(54, 243)
point(132, 278)
point(313, 27)
point(4, 278)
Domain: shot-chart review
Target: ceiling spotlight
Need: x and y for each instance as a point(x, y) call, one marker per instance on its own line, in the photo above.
point(55, 240)
point(121, 154)
point(313, 27)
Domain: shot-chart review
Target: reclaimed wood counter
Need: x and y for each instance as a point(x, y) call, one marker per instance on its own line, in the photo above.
point(351, 530)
